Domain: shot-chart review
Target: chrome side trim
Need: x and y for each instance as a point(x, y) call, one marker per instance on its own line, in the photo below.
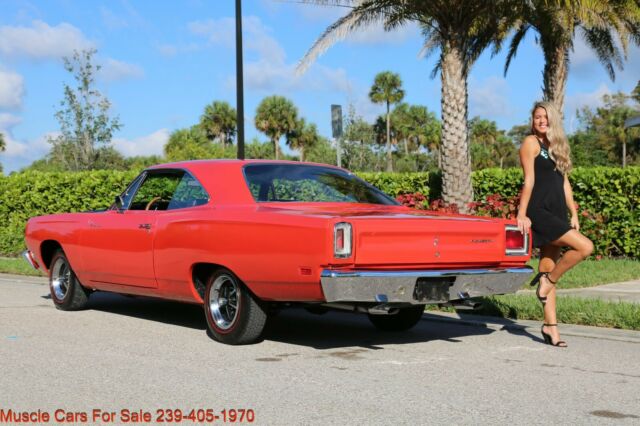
point(30, 260)
point(398, 286)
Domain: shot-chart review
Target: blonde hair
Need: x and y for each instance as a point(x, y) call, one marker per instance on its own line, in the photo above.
point(558, 144)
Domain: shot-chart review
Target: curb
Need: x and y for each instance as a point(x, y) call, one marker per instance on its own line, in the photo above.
point(532, 327)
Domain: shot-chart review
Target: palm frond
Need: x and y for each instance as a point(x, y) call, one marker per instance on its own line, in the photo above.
point(603, 44)
point(517, 38)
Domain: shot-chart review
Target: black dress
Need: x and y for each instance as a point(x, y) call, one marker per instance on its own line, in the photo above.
point(547, 207)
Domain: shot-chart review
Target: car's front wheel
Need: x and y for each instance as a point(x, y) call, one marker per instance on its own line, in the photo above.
point(405, 319)
point(66, 291)
point(234, 315)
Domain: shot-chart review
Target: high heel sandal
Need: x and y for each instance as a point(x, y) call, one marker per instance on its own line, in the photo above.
point(547, 337)
point(536, 280)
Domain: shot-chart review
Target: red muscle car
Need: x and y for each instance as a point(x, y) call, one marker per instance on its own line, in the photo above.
point(244, 237)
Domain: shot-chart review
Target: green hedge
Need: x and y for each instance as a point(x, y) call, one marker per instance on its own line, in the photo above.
point(608, 199)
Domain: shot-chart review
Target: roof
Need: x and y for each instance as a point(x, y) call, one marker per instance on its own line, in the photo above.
point(632, 122)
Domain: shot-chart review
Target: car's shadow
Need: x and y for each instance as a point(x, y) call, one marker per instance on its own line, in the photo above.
point(296, 326)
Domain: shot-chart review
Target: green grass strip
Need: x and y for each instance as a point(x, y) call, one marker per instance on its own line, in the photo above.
point(571, 310)
point(593, 272)
point(18, 266)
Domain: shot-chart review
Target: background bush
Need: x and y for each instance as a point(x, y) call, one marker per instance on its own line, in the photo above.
point(608, 199)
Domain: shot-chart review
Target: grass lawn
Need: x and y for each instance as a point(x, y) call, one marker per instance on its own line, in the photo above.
point(597, 272)
point(18, 266)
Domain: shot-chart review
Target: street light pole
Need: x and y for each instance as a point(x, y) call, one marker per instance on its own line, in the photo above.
point(239, 81)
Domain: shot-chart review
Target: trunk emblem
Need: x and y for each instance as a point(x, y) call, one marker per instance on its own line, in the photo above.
point(481, 241)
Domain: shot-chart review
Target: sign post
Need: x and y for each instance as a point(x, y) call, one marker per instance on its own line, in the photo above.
point(336, 130)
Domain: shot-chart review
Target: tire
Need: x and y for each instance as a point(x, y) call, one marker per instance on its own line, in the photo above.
point(66, 291)
point(234, 315)
point(405, 319)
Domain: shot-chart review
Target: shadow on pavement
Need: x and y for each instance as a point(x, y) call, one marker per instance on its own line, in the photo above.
point(335, 329)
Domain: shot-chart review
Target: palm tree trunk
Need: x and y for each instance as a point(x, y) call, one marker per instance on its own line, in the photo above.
point(456, 161)
point(275, 148)
point(624, 153)
point(555, 77)
point(301, 154)
point(389, 158)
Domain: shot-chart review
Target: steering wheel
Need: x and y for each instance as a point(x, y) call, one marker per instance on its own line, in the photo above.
point(152, 202)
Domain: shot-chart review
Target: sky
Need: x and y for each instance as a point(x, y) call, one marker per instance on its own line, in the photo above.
point(164, 61)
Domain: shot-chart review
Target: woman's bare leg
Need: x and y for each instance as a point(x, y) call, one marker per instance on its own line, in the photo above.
point(581, 248)
point(549, 255)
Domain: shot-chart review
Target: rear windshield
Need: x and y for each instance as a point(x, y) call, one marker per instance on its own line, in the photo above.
point(308, 183)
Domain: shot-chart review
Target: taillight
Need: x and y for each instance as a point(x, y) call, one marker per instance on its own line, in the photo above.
point(342, 239)
point(517, 243)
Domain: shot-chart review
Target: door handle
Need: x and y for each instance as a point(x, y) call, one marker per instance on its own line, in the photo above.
point(146, 226)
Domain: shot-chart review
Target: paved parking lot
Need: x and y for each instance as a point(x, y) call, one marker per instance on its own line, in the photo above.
point(141, 354)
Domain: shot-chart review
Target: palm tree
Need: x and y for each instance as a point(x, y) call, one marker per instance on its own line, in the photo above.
point(556, 23)
point(461, 30)
point(276, 116)
point(219, 122)
point(3, 144)
point(304, 136)
point(387, 89)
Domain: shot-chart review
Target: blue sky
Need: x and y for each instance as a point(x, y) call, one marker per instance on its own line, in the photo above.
point(163, 61)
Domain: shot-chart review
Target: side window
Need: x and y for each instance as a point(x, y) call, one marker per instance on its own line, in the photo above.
point(157, 190)
point(128, 193)
point(189, 193)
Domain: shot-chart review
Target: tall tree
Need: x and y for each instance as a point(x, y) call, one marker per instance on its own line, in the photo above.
point(85, 124)
point(603, 24)
point(275, 117)
point(192, 144)
point(3, 144)
point(635, 94)
point(387, 89)
point(490, 146)
point(303, 137)
point(219, 122)
point(460, 30)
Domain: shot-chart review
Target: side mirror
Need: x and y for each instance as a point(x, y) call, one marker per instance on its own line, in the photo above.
point(119, 204)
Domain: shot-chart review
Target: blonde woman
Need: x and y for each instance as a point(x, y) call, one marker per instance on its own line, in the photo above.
point(544, 206)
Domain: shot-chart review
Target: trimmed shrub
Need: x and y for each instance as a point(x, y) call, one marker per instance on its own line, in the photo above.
point(608, 199)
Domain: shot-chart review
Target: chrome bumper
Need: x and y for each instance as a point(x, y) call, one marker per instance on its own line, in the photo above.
point(402, 286)
point(30, 260)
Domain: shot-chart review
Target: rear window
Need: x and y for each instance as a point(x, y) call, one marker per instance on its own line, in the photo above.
point(308, 183)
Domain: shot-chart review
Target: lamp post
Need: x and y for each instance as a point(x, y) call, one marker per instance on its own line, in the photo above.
point(239, 81)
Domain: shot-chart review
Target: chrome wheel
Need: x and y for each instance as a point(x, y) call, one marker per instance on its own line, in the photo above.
point(60, 278)
point(224, 300)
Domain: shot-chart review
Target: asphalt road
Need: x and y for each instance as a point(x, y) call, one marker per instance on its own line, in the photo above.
point(141, 354)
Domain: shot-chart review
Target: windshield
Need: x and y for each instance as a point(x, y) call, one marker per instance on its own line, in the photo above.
point(308, 183)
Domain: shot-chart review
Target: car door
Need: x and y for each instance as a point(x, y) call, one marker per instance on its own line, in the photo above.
point(118, 244)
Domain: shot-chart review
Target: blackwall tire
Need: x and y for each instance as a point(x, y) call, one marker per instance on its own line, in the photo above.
point(66, 291)
point(234, 315)
point(405, 319)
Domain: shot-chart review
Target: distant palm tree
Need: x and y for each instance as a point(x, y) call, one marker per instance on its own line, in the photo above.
point(387, 89)
point(304, 136)
point(601, 23)
point(3, 144)
point(219, 122)
point(460, 30)
point(276, 116)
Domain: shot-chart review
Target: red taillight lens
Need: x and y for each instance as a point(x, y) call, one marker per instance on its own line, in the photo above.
point(339, 239)
point(517, 243)
point(515, 240)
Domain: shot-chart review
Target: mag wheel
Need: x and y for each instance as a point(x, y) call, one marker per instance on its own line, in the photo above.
point(234, 315)
point(66, 291)
point(405, 319)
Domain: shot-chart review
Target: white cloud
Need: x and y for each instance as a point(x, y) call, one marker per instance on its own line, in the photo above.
point(113, 70)
point(576, 101)
point(7, 121)
point(21, 153)
point(152, 144)
point(489, 98)
point(41, 41)
point(11, 89)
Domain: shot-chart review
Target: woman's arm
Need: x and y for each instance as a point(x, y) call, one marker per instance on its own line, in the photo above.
point(571, 205)
point(528, 152)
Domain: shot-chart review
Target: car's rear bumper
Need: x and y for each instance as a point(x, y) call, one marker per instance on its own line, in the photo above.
point(422, 286)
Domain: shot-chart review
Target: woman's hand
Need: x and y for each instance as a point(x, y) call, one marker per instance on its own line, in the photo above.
point(524, 223)
point(575, 223)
